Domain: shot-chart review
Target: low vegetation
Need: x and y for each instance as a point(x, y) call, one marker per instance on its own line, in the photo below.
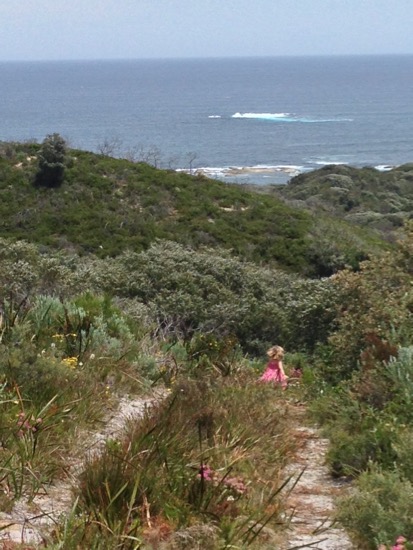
point(106, 206)
point(381, 200)
point(190, 469)
point(364, 392)
point(194, 280)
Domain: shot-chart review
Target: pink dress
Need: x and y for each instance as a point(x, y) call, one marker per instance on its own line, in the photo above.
point(274, 373)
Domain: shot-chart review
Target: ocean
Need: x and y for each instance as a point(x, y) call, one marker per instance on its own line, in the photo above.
point(248, 120)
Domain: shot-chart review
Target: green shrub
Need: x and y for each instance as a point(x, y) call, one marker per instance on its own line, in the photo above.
point(379, 509)
point(398, 374)
point(359, 434)
point(373, 308)
point(188, 291)
point(39, 376)
point(51, 161)
point(351, 452)
point(404, 450)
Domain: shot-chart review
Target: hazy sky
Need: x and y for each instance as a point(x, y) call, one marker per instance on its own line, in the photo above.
point(110, 29)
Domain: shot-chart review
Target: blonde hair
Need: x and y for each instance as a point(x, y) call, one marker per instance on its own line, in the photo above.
point(276, 352)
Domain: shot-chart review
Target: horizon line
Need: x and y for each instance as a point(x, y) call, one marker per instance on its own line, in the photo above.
point(204, 58)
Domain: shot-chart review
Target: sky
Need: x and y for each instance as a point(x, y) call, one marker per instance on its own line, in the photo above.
point(134, 29)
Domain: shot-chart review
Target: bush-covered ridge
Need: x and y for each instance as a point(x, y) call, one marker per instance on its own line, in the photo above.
point(105, 206)
point(366, 196)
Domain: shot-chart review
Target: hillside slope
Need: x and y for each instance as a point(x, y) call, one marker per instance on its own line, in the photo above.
point(107, 205)
point(366, 196)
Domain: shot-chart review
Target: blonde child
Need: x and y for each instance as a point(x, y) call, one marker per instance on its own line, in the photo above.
point(275, 371)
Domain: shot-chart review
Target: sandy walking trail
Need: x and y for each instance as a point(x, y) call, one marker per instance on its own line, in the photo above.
point(310, 504)
point(309, 507)
point(28, 523)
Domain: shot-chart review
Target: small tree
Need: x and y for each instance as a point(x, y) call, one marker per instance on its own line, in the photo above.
point(191, 157)
point(51, 161)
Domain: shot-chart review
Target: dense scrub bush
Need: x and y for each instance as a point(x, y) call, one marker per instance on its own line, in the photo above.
point(359, 434)
point(57, 347)
point(174, 289)
point(367, 416)
point(26, 270)
point(334, 245)
point(364, 194)
point(352, 449)
point(380, 509)
point(374, 308)
point(189, 291)
point(51, 161)
point(397, 375)
point(40, 377)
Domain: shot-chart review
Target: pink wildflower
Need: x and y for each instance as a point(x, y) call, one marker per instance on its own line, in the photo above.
point(27, 424)
point(236, 484)
point(399, 543)
point(296, 373)
point(205, 473)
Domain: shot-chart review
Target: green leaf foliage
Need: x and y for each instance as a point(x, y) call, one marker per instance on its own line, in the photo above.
point(188, 291)
point(105, 206)
point(382, 200)
point(181, 290)
point(51, 161)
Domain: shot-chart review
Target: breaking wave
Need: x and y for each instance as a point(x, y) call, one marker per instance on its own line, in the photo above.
point(287, 117)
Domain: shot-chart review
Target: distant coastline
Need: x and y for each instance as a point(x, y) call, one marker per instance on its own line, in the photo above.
point(262, 175)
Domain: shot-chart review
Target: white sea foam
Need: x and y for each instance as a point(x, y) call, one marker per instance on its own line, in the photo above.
point(214, 116)
point(328, 162)
point(264, 116)
point(287, 117)
point(331, 162)
point(246, 172)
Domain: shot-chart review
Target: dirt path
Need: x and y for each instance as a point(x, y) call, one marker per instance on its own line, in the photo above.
point(26, 523)
point(310, 504)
